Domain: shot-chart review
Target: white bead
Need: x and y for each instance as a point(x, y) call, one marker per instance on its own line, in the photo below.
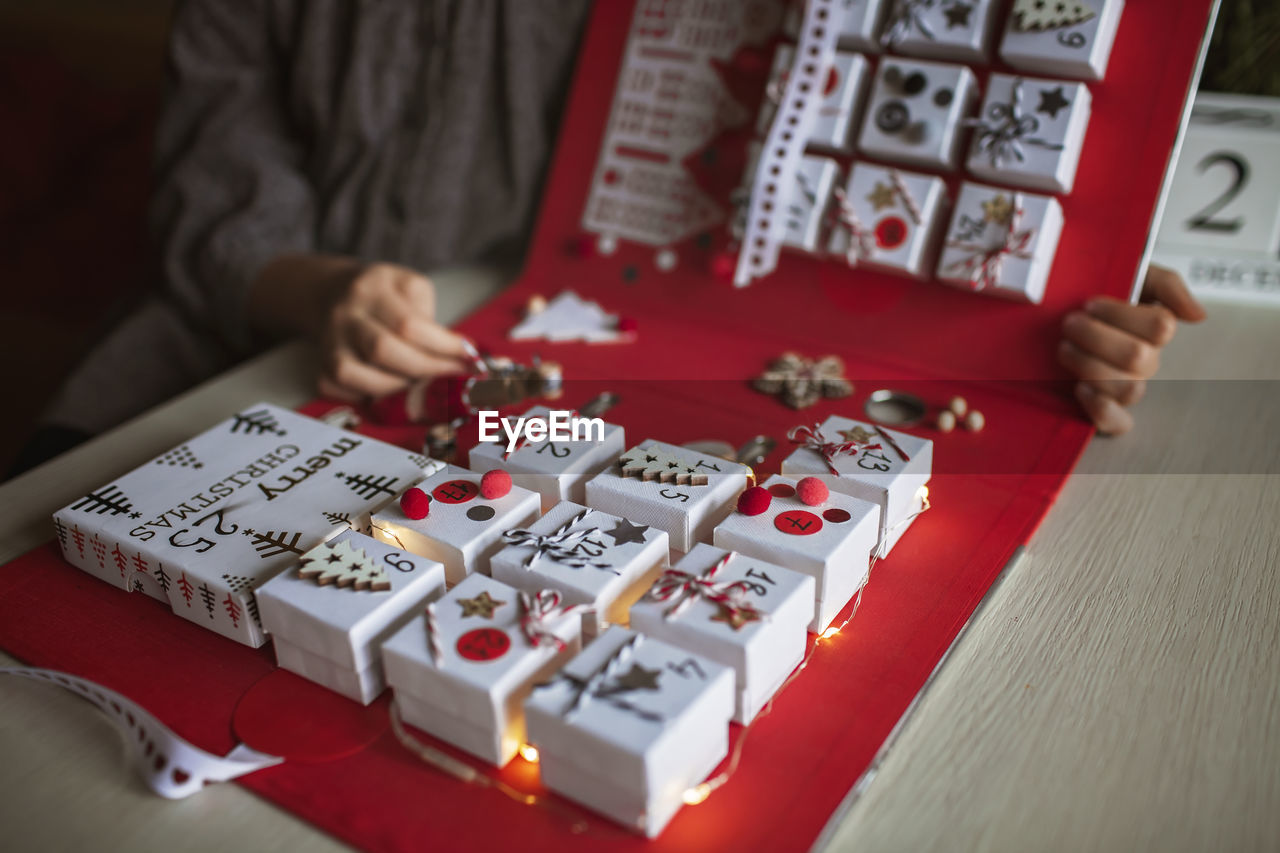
point(536, 305)
point(946, 421)
point(665, 260)
point(975, 421)
point(606, 244)
point(958, 406)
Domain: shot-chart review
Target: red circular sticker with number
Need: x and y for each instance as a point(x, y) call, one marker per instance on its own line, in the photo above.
point(483, 644)
point(455, 492)
point(890, 232)
point(798, 522)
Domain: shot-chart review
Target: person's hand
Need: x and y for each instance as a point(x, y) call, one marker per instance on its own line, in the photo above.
point(1113, 347)
point(375, 324)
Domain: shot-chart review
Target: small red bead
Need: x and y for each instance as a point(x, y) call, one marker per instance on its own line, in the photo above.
point(627, 324)
point(494, 484)
point(415, 504)
point(812, 491)
point(723, 266)
point(754, 500)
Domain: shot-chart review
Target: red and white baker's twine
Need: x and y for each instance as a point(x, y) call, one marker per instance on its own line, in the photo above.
point(904, 196)
point(686, 587)
point(811, 438)
point(537, 612)
point(558, 545)
point(433, 635)
point(984, 264)
point(861, 242)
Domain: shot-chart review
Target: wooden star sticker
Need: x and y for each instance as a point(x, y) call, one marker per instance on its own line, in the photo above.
point(801, 382)
point(857, 435)
point(998, 209)
point(636, 678)
point(882, 197)
point(482, 605)
point(738, 617)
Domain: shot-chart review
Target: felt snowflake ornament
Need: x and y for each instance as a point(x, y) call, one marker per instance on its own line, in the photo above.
point(800, 382)
point(1049, 14)
point(655, 464)
point(344, 566)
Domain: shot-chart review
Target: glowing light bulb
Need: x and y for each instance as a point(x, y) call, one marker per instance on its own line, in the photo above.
point(829, 633)
point(697, 794)
point(529, 753)
point(923, 493)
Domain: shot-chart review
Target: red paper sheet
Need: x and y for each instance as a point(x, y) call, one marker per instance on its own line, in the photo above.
point(685, 379)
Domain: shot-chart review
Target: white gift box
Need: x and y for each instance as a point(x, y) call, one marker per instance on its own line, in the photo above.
point(1071, 39)
point(1001, 242)
point(463, 529)
point(857, 23)
point(471, 692)
point(664, 499)
point(916, 113)
point(328, 627)
point(958, 30)
point(760, 631)
point(217, 516)
point(832, 543)
point(868, 466)
point(830, 128)
point(557, 470)
point(806, 203)
point(629, 725)
point(1029, 132)
point(889, 219)
point(593, 558)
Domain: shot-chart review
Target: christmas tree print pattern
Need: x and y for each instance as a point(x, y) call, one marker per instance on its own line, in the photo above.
point(243, 587)
point(256, 423)
point(368, 486)
point(107, 500)
point(272, 544)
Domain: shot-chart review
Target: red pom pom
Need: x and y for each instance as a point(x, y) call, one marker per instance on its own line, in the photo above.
point(754, 500)
point(724, 265)
point(812, 491)
point(494, 484)
point(584, 246)
point(627, 324)
point(415, 503)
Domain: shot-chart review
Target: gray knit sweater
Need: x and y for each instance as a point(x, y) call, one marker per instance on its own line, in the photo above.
point(412, 131)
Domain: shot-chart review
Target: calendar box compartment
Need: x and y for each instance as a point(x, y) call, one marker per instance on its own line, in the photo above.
point(890, 219)
point(327, 617)
point(594, 559)
point(871, 470)
point(473, 695)
point(463, 529)
point(687, 513)
point(214, 518)
point(856, 21)
point(915, 114)
point(832, 543)
point(557, 470)
point(1029, 133)
point(630, 724)
point(839, 111)
point(1001, 242)
point(1066, 40)
point(955, 30)
point(763, 637)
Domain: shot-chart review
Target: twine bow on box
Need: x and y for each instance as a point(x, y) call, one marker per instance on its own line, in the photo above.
point(862, 239)
point(537, 612)
point(683, 588)
point(983, 265)
point(811, 438)
point(1003, 137)
point(558, 545)
point(905, 16)
point(609, 684)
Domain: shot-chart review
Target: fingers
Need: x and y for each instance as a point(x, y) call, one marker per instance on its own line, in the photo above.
point(1107, 415)
point(1153, 323)
point(1166, 287)
point(348, 376)
point(1122, 387)
point(384, 349)
point(1125, 351)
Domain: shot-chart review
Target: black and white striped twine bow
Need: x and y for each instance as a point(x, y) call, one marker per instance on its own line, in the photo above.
point(559, 545)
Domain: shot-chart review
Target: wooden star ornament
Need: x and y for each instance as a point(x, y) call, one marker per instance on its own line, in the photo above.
point(857, 435)
point(998, 209)
point(800, 382)
point(736, 618)
point(481, 605)
point(882, 197)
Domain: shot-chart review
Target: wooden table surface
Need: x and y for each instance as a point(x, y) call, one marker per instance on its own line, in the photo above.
point(1118, 690)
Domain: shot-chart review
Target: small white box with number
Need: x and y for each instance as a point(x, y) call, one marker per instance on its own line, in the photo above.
point(1069, 39)
point(957, 30)
point(889, 219)
point(1029, 133)
point(889, 468)
point(838, 111)
point(1001, 242)
point(831, 542)
point(916, 111)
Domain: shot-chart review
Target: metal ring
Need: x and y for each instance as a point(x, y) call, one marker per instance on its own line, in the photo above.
point(895, 408)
